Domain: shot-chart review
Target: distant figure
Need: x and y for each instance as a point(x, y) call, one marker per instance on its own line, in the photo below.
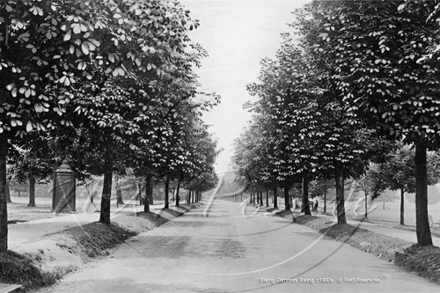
point(296, 205)
point(315, 205)
point(89, 203)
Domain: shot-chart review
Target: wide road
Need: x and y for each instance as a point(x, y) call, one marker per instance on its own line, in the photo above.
point(237, 249)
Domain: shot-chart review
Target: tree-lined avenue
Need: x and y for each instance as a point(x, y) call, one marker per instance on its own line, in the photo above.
point(227, 252)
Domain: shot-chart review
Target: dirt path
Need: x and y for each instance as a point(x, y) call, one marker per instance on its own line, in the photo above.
point(238, 250)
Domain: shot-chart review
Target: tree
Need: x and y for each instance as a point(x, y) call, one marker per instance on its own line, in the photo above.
point(372, 183)
point(377, 49)
point(32, 160)
point(312, 133)
point(37, 66)
point(252, 158)
point(399, 173)
point(113, 110)
point(76, 58)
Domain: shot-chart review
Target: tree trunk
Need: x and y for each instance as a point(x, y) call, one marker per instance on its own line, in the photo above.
point(31, 191)
point(139, 196)
point(167, 187)
point(291, 200)
point(325, 196)
point(8, 193)
point(179, 181)
point(286, 198)
point(340, 208)
point(147, 193)
point(305, 193)
point(151, 195)
point(267, 198)
point(366, 205)
point(3, 203)
point(423, 232)
point(275, 198)
point(188, 197)
point(402, 207)
point(107, 185)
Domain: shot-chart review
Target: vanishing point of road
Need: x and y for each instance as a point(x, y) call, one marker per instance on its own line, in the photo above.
point(234, 248)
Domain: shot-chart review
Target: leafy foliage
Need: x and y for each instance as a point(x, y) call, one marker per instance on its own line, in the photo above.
point(107, 84)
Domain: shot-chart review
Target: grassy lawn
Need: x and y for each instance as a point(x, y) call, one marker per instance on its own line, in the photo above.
point(424, 261)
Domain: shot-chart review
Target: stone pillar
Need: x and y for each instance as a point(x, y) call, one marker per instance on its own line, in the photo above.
point(64, 190)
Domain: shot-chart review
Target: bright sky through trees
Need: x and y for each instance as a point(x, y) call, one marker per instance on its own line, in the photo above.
point(237, 34)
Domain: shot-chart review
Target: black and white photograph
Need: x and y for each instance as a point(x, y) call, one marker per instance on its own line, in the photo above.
point(219, 146)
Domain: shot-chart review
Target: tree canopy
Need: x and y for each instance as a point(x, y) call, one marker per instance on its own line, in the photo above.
point(351, 80)
point(109, 83)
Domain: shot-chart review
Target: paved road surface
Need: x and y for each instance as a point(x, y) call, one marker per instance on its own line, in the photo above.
point(229, 252)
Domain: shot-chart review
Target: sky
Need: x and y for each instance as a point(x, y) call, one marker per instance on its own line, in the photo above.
point(237, 34)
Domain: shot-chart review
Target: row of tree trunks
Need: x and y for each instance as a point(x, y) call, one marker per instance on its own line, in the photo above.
point(256, 198)
point(193, 196)
point(423, 232)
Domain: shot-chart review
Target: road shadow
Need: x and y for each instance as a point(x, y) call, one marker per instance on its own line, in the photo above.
point(174, 247)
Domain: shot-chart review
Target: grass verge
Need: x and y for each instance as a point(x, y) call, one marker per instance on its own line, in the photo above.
point(19, 269)
point(39, 265)
point(423, 261)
